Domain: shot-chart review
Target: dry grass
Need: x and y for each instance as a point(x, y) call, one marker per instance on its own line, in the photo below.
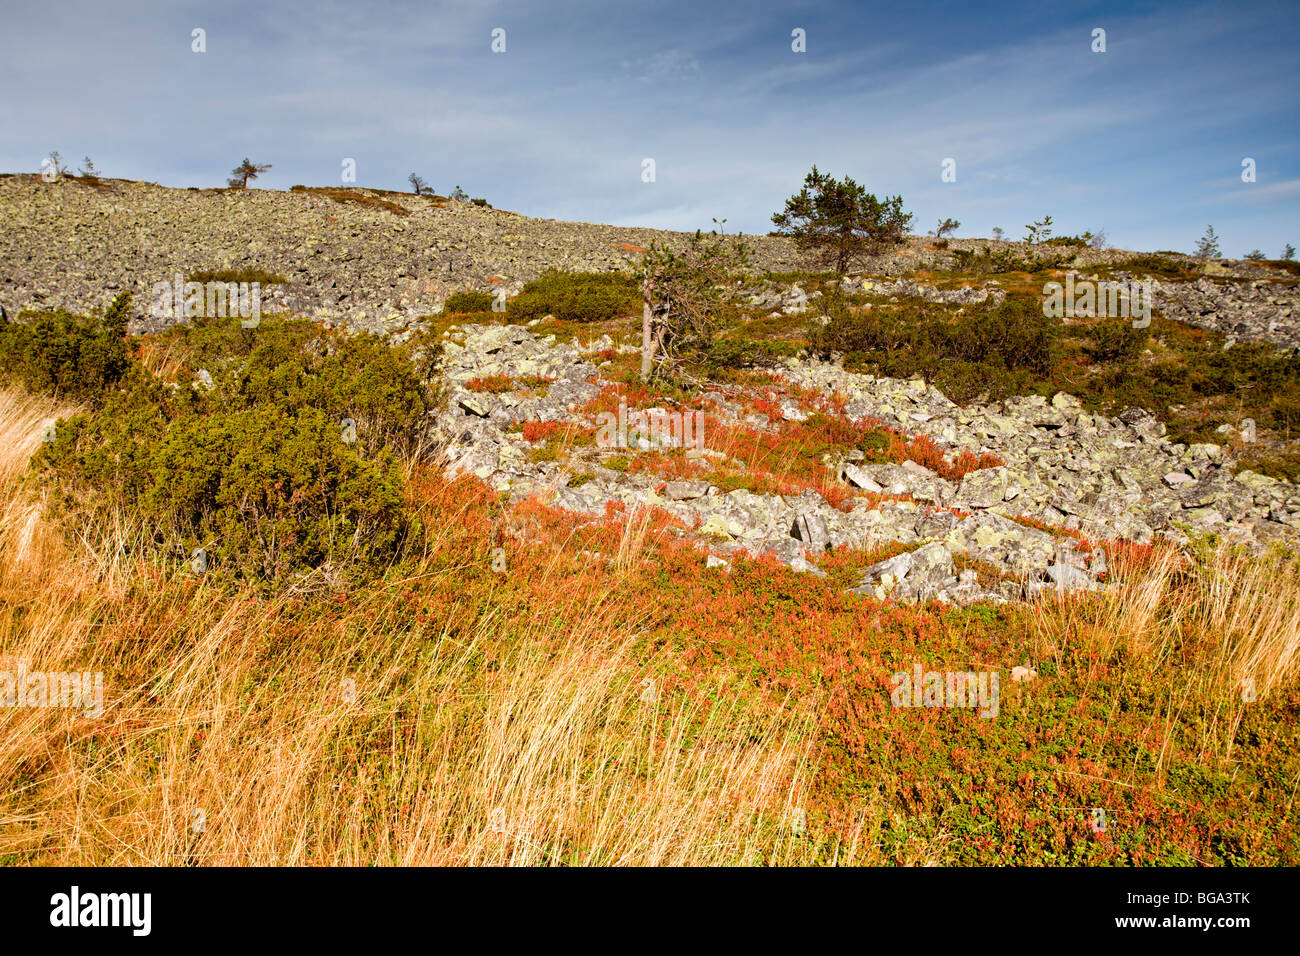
point(1230, 628)
point(444, 719)
point(331, 730)
point(354, 197)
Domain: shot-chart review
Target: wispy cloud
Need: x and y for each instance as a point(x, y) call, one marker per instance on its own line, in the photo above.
point(1143, 138)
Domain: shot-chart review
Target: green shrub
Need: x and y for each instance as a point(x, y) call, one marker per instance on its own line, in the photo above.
point(260, 276)
point(576, 297)
point(736, 353)
point(998, 350)
point(256, 469)
point(468, 302)
point(1115, 341)
point(1156, 265)
point(1076, 242)
point(264, 491)
point(996, 262)
point(66, 355)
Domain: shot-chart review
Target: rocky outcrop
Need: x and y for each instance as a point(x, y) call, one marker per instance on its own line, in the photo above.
point(1253, 311)
point(1067, 470)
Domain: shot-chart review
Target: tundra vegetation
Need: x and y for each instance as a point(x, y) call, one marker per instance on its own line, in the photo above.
point(379, 665)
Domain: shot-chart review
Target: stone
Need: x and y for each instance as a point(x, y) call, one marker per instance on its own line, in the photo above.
point(859, 478)
point(811, 530)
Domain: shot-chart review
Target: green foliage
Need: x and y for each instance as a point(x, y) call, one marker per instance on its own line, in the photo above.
point(946, 226)
point(838, 222)
point(241, 174)
point(1079, 242)
point(687, 290)
point(260, 276)
point(65, 355)
point(468, 301)
point(1001, 261)
point(576, 297)
point(1004, 349)
point(1207, 247)
point(1109, 341)
point(1039, 231)
point(1163, 267)
point(738, 353)
point(255, 470)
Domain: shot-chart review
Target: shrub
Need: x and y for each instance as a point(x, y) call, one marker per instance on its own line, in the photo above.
point(576, 297)
point(255, 469)
point(468, 302)
point(1160, 266)
point(260, 276)
point(265, 491)
point(1004, 350)
point(996, 262)
point(66, 355)
point(1115, 341)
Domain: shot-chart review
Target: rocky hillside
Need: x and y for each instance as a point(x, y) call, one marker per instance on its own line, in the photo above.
point(1052, 478)
point(1067, 478)
point(373, 260)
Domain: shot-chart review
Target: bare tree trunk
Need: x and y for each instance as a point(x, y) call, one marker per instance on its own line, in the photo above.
point(647, 342)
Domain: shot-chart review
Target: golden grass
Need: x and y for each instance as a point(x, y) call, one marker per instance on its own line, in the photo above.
point(391, 725)
point(355, 197)
point(1230, 627)
point(250, 730)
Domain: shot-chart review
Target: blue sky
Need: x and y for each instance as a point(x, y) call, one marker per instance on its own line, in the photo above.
point(1145, 140)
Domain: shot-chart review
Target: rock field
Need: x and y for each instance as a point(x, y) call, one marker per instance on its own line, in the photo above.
point(374, 268)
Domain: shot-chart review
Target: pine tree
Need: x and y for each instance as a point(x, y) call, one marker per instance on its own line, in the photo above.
point(1208, 246)
point(245, 171)
point(839, 222)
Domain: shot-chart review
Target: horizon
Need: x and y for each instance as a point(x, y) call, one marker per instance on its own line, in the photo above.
point(558, 125)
